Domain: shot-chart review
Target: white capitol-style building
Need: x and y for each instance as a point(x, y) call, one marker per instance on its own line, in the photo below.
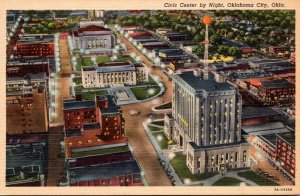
point(113, 74)
point(94, 36)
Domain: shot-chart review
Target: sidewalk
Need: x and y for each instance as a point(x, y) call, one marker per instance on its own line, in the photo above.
point(162, 155)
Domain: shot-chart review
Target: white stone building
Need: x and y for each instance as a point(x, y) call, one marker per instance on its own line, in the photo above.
point(113, 74)
point(206, 123)
point(94, 37)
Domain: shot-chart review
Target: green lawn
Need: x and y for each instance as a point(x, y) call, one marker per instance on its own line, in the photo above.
point(165, 106)
point(91, 95)
point(77, 81)
point(227, 181)
point(179, 165)
point(151, 80)
point(86, 61)
point(153, 129)
point(164, 141)
point(142, 93)
point(101, 151)
point(78, 88)
point(252, 176)
point(159, 123)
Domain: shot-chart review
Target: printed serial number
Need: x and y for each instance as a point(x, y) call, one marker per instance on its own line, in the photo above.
point(283, 189)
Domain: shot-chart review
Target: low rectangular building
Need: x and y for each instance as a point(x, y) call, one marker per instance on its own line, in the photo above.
point(94, 37)
point(113, 74)
point(21, 66)
point(124, 173)
point(35, 45)
point(26, 158)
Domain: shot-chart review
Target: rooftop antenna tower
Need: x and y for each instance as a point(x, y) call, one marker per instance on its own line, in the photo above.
point(207, 20)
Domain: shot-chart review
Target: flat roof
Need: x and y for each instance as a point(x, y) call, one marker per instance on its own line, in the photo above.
point(112, 105)
point(74, 105)
point(209, 85)
point(25, 139)
point(277, 84)
point(36, 38)
point(23, 60)
point(108, 150)
point(265, 129)
point(104, 171)
point(270, 138)
point(91, 126)
point(23, 160)
point(257, 112)
point(289, 137)
point(73, 132)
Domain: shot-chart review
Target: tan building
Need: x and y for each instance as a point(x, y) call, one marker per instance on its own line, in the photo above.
point(206, 123)
point(26, 111)
point(113, 74)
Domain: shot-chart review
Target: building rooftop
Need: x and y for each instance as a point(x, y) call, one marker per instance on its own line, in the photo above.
point(265, 129)
point(289, 137)
point(110, 149)
point(251, 112)
point(104, 171)
point(112, 105)
point(98, 159)
point(73, 132)
point(38, 76)
point(31, 103)
point(26, 61)
point(25, 139)
point(23, 160)
point(115, 66)
point(91, 126)
point(75, 105)
point(277, 84)
point(88, 68)
point(92, 28)
point(198, 83)
point(36, 38)
point(270, 138)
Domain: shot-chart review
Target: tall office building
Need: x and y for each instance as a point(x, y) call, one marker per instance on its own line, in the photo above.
point(206, 119)
point(206, 122)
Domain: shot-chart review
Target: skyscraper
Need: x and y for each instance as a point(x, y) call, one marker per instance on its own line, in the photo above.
point(206, 121)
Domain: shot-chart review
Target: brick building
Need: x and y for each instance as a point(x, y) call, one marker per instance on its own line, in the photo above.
point(26, 111)
point(39, 45)
point(285, 151)
point(123, 173)
point(22, 66)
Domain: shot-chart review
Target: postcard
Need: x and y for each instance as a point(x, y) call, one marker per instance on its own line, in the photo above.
point(156, 97)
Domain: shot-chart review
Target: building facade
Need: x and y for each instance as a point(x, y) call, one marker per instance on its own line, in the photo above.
point(94, 37)
point(285, 152)
point(113, 74)
point(27, 111)
point(39, 45)
point(22, 66)
point(207, 120)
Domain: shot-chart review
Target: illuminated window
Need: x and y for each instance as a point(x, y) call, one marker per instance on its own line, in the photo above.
point(89, 141)
point(79, 142)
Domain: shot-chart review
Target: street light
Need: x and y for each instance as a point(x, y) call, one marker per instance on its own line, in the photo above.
point(187, 181)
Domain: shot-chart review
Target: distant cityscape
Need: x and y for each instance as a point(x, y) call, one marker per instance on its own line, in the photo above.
point(150, 98)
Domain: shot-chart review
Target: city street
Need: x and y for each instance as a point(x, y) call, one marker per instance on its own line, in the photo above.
point(138, 139)
point(56, 162)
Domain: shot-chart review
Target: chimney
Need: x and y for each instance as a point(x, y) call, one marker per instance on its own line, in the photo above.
point(78, 96)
